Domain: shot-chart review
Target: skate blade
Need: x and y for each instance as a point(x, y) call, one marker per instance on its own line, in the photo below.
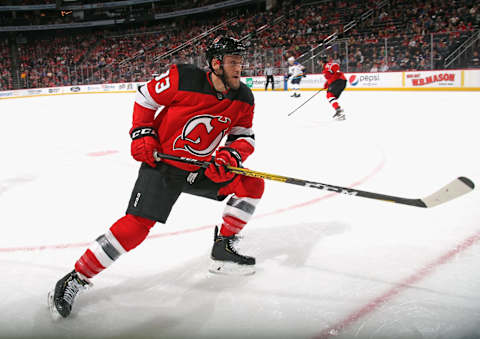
point(229, 268)
point(340, 118)
point(51, 305)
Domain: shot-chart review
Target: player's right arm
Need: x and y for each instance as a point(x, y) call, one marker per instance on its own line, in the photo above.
point(158, 92)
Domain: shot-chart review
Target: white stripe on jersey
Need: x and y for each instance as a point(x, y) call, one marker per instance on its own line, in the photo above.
point(241, 130)
point(249, 140)
point(144, 99)
point(243, 134)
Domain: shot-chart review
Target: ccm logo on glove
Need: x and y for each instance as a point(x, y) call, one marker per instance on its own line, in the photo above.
point(144, 144)
point(142, 132)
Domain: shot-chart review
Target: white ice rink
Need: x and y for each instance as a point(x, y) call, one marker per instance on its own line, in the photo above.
point(327, 265)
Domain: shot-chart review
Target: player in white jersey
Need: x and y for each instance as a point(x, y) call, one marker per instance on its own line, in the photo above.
point(295, 74)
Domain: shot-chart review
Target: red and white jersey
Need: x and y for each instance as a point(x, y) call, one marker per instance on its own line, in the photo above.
point(331, 72)
point(195, 118)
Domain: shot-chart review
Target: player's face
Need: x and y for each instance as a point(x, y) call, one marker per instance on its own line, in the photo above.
point(232, 66)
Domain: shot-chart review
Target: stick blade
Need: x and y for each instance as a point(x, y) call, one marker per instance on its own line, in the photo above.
point(453, 190)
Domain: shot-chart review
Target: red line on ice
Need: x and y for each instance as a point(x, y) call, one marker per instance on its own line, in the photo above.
point(201, 228)
point(371, 306)
point(101, 153)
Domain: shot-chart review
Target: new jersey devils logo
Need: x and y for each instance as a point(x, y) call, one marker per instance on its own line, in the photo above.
point(202, 134)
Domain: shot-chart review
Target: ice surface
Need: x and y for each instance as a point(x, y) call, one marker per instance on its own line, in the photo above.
point(327, 265)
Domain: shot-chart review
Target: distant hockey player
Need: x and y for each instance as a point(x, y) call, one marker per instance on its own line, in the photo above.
point(200, 109)
point(295, 74)
point(335, 84)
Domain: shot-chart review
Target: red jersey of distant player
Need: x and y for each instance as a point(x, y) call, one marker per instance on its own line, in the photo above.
point(195, 118)
point(331, 72)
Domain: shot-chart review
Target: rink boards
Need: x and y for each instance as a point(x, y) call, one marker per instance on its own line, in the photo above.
point(437, 80)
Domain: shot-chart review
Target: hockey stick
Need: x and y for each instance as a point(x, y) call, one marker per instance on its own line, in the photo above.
point(454, 189)
point(296, 109)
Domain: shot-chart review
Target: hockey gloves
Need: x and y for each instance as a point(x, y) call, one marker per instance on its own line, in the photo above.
point(225, 156)
point(144, 143)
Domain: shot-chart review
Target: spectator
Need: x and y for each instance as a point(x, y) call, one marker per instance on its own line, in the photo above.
point(475, 61)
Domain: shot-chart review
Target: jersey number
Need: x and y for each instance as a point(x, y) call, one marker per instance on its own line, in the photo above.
point(163, 82)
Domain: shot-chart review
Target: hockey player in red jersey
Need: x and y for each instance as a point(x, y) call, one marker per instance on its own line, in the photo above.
point(335, 84)
point(200, 109)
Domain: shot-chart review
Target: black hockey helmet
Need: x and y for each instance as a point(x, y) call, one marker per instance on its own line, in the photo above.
point(224, 46)
point(324, 58)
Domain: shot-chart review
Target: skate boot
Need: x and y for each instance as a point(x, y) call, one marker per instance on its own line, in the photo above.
point(339, 114)
point(61, 298)
point(226, 259)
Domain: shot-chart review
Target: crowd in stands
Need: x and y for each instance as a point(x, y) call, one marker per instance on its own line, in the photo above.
point(50, 16)
point(178, 3)
point(404, 35)
point(139, 12)
point(5, 64)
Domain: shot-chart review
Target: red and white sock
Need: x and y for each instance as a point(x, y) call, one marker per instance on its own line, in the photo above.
point(124, 235)
point(236, 214)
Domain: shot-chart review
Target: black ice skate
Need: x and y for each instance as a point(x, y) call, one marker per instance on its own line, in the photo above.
point(60, 299)
point(339, 114)
point(226, 259)
point(295, 95)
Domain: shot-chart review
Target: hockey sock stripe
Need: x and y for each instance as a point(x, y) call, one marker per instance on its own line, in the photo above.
point(88, 264)
point(240, 208)
point(100, 254)
point(242, 204)
point(104, 259)
point(82, 268)
point(231, 225)
point(237, 213)
point(108, 248)
point(114, 242)
point(92, 262)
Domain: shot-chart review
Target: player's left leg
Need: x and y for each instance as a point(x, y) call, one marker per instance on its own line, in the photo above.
point(247, 192)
